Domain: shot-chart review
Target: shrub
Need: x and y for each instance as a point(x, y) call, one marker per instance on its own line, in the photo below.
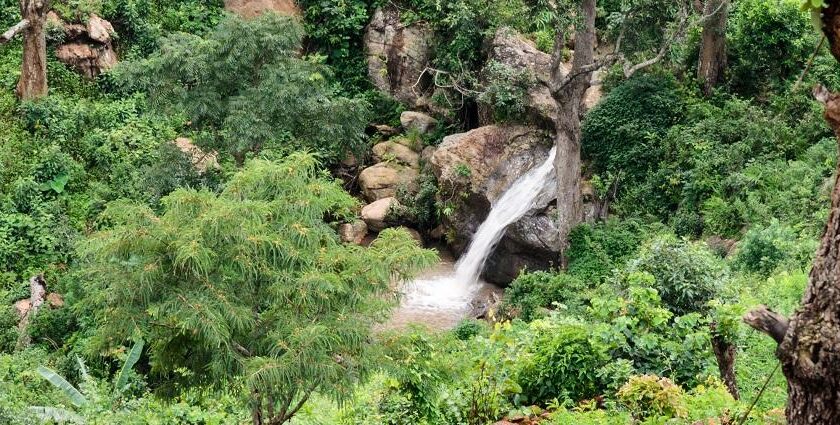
point(763, 250)
point(561, 363)
point(596, 249)
point(650, 396)
point(466, 329)
point(687, 275)
point(531, 294)
point(506, 91)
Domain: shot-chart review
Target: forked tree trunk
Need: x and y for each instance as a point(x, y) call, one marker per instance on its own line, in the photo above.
point(33, 70)
point(809, 344)
point(569, 100)
point(713, 45)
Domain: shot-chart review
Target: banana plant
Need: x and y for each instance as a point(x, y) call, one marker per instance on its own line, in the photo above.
point(77, 398)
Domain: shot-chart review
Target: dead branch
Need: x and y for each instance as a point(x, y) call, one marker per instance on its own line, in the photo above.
point(13, 31)
point(768, 321)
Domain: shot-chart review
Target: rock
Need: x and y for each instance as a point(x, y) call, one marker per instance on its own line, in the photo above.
point(514, 51)
point(375, 215)
point(724, 247)
point(99, 29)
point(438, 232)
point(476, 168)
point(88, 59)
point(412, 143)
point(350, 160)
point(55, 300)
point(54, 20)
point(386, 130)
point(354, 232)
point(418, 121)
point(202, 161)
point(253, 8)
point(414, 235)
point(387, 151)
point(22, 307)
point(397, 56)
point(592, 97)
point(382, 180)
point(426, 155)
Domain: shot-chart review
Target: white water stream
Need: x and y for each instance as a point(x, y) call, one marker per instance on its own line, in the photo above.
point(452, 292)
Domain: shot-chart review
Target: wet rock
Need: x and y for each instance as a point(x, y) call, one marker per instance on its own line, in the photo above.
point(382, 180)
point(422, 123)
point(390, 151)
point(354, 232)
point(375, 215)
point(253, 8)
point(397, 56)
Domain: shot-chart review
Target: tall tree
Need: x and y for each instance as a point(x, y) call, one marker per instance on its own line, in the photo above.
point(250, 285)
point(569, 88)
point(712, 61)
point(33, 70)
point(809, 342)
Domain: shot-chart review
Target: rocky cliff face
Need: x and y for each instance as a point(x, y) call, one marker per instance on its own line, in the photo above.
point(88, 48)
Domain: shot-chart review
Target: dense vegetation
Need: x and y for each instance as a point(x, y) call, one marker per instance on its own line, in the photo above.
point(231, 281)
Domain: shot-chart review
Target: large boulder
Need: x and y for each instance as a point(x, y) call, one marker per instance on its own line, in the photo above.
point(354, 232)
point(519, 54)
point(375, 215)
point(475, 169)
point(397, 56)
point(87, 48)
point(252, 8)
point(388, 151)
point(382, 180)
point(418, 121)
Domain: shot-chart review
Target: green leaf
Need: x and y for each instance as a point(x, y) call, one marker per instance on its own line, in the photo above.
point(130, 361)
point(52, 414)
point(70, 391)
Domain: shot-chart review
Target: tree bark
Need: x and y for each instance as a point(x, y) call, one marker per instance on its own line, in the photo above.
point(725, 353)
point(569, 96)
point(809, 350)
point(713, 45)
point(33, 70)
point(37, 294)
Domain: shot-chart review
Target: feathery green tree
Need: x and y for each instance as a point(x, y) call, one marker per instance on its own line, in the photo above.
point(252, 283)
point(245, 87)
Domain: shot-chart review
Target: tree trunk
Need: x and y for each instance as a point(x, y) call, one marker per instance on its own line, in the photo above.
point(569, 98)
point(725, 354)
point(33, 71)
point(37, 294)
point(809, 344)
point(713, 45)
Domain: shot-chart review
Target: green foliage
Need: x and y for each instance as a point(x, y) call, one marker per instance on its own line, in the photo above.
point(249, 283)
point(596, 249)
point(420, 207)
point(467, 329)
point(506, 91)
point(763, 250)
point(245, 89)
point(687, 275)
point(651, 396)
point(767, 43)
point(560, 363)
point(531, 294)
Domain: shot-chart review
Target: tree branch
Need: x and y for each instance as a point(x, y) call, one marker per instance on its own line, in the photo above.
point(768, 321)
point(13, 31)
point(629, 70)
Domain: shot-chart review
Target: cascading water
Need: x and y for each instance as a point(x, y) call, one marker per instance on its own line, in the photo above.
point(456, 290)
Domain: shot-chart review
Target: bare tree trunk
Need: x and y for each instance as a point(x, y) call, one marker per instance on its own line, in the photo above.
point(725, 353)
point(569, 96)
point(37, 294)
point(33, 71)
point(809, 344)
point(713, 45)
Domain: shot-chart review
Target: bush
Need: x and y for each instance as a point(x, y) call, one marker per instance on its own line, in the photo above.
point(763, 250)
point(531, 294)
point(596, 249)
point(561, 363)
point(466, 329)
point(650, 396)
point(687, 275)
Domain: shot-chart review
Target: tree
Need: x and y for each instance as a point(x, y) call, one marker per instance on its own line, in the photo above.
point(245, 88)
point(33, 70)
point(569, 89)
point(712, 63)
point(250, 284)
point(809, 342)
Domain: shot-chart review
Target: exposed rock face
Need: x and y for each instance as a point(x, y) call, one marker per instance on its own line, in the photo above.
point(202, 161)
point(375, 214)
point(252, 8)
point(354, 232)
point(382, 180)
point(513, 50)
point(397, 56)
point(478, 167)
point(417, 121)
point(89, 49)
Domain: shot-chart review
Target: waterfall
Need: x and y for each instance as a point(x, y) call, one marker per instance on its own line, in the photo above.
point(459, 288)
